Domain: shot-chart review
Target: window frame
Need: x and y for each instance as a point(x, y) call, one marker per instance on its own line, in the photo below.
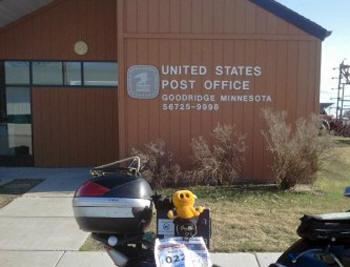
point(3, 107)
point(64, 85)
point(81, 73)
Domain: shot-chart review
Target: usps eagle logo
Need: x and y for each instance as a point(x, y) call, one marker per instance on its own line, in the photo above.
point(143, 82)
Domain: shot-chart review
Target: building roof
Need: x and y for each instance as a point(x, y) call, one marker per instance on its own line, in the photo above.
point(294, 18)
point(12, 10)
point(323, 106)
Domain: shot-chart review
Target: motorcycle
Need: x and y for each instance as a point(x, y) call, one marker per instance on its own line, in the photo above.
point(116, 205)
point(325, 242)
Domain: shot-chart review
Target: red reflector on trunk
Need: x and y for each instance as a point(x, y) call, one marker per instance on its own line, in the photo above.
point(91, 189)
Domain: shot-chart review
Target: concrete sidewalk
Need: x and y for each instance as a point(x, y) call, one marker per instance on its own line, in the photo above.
point(42, 219)
point(59, 182)
point(101, 259)
point(39, 230)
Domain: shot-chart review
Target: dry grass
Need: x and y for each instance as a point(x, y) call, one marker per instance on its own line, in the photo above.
point(248, 219)
point(259, 221)
point(6, 199)
point(262, 218)
point(91, 245)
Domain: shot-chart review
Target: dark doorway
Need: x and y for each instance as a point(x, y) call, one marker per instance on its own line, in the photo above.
point(15, 114)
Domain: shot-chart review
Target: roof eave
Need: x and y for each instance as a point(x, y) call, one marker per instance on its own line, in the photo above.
point(294, 18)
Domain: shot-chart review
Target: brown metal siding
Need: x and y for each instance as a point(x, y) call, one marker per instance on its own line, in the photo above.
point(50, 33)
point(216, 32)
point(203, 16)
point(74, 126)
point(156, 32)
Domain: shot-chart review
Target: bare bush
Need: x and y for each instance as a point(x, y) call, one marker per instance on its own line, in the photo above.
point(297, 153)
point(159, 168)
point(221, 162)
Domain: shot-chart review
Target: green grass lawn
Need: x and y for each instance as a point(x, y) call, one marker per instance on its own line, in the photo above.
point(256, 218)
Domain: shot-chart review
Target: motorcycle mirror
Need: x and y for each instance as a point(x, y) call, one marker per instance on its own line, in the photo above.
point(347, 192)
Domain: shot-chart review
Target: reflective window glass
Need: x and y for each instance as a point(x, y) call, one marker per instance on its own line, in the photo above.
point(18, 101)
point(100, 74)
point(16, 139)
point(47, 73)
point(17, 72)
point(16, 129)
point(72, 73)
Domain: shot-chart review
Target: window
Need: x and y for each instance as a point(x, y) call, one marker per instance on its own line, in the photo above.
point(100, 74)
point(17, 73)
point(60, 73)
point(18, 101)
point(47, 73)
point(72, 73)
point(16, 127)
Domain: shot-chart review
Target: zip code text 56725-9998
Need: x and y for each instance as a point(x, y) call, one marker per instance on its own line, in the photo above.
point(189, 106)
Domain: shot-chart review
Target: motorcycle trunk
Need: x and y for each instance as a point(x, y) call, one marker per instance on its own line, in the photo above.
point(117, 203)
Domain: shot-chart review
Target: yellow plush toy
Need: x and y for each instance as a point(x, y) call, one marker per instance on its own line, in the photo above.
point(183, 201)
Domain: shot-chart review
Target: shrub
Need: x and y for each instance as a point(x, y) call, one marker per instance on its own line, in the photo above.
point(221, 162)
point(297, 153)
point(158, 166)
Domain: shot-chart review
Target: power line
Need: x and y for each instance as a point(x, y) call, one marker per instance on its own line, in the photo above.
point(343, 80)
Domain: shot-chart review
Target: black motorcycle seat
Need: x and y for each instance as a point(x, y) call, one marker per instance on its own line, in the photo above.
point(340, 216)
point(326, 227)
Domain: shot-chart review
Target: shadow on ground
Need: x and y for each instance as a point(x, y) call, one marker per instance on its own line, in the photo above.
point(55, 180)
point(345, 142)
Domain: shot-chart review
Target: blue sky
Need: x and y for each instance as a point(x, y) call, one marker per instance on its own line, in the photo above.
point(334, 15)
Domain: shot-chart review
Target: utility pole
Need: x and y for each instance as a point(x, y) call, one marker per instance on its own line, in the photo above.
point(343, 80)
